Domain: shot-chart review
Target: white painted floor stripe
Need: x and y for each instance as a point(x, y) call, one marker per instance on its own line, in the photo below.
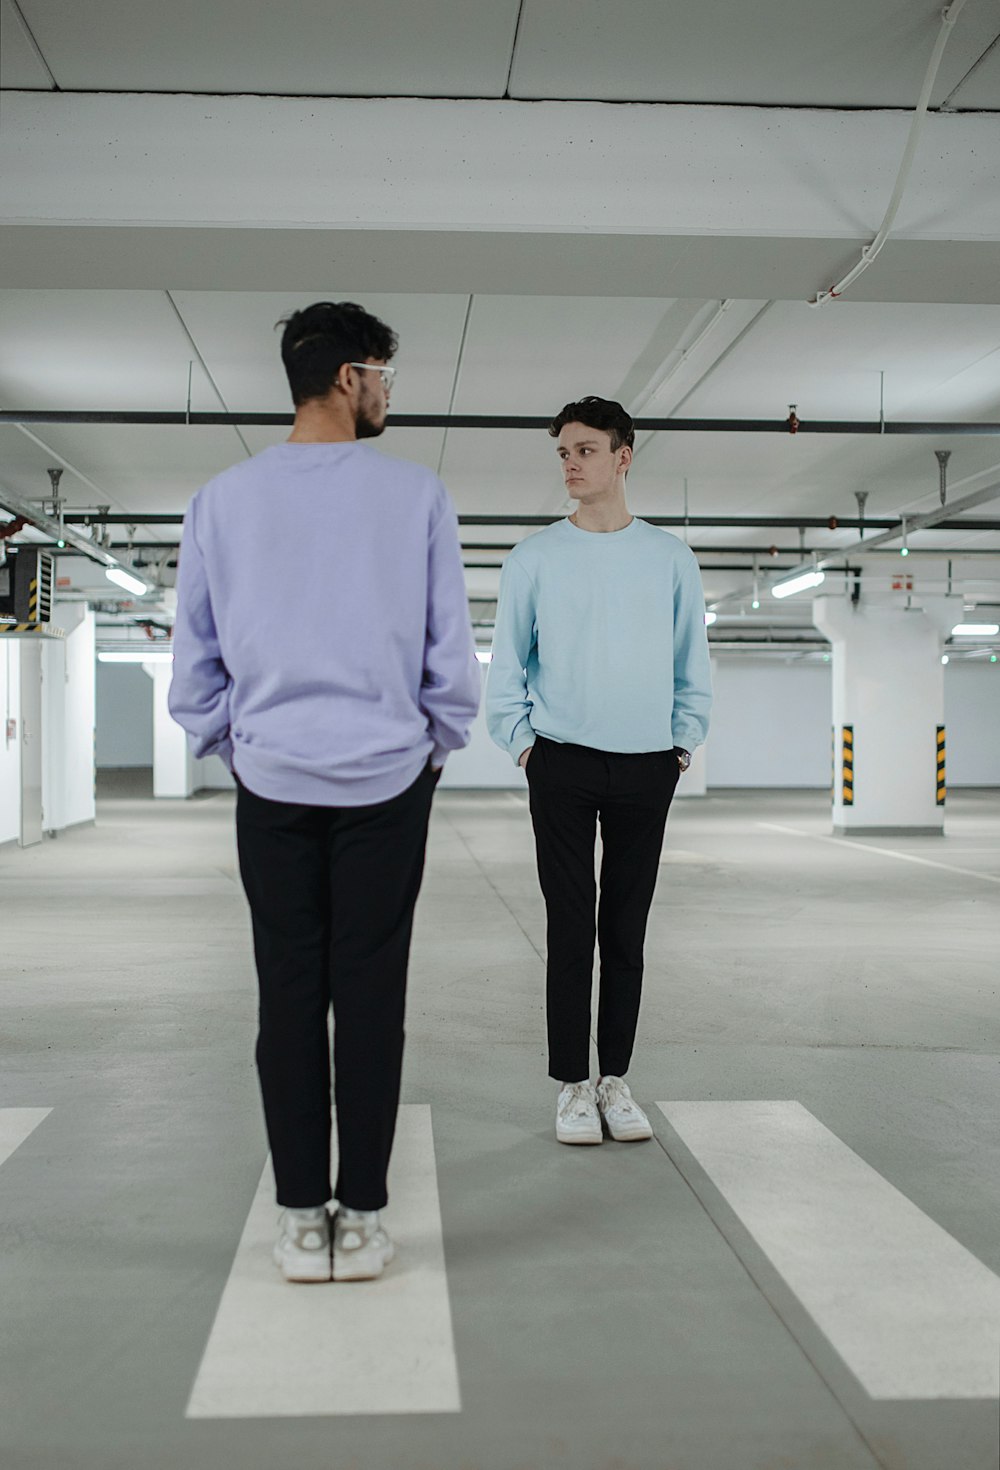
point(365, 1347)
point(913, 1314)
point(17, 1124)
point(849, 846)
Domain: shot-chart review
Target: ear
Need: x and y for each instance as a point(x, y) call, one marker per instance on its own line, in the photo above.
point(343, 378)
point(624, 459)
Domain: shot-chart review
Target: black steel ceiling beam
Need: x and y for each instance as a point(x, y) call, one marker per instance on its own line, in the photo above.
point(721, 523)
point(764, 559)
point(496, 421)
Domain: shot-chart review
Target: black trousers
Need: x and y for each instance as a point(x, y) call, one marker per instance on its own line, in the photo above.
point(332, 892)
point(571, 787)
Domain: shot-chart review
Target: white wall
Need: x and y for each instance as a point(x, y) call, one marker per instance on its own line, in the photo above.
point(10, 751)
point(770, 728)
point(211, 774)
point(124, 716)
point(482, 765)
point(68, 720)
point(770, 724)
point(972, 721)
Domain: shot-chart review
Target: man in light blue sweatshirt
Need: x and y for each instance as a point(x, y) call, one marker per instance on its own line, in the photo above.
point(600, 687)
point(323, 648)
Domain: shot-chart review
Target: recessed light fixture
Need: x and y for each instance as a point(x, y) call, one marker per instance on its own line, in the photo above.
point(976, 630)
point(139, 656)
point(798, 583)
point(710, 618)
point(121, 578)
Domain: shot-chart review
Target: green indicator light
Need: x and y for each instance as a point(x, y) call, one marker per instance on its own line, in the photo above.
point(904, 551)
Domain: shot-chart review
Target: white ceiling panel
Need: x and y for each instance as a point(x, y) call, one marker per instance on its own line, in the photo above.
point(301, 48)
point(96, 350)
point(813, 475)
point(235, 333)
point(940, 363)
point(19, 63)
point(135, 468)
point(503, 472)
point(982, 90)
point(859, 53)
point(23, 466)
point(530, 355)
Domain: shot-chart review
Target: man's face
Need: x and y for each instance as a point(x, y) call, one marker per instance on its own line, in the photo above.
point(372, 402)
point(590, 466)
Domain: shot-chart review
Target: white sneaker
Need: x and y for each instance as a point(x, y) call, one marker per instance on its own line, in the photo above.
point(361, 1246)
point(577, 1119)
point(620, 1113)
point(302, 1249)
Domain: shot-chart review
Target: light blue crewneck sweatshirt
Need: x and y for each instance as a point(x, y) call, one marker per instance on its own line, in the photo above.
point(600, 640)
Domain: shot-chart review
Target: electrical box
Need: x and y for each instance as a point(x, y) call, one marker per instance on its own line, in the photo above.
point(26, 582)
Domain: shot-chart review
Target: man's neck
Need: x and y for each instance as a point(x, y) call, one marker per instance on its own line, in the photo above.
point(324, 421)
point(609, 513)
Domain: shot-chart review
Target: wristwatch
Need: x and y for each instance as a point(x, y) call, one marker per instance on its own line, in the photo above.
point(683, 757)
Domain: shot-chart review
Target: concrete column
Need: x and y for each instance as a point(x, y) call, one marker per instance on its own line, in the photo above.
point(888, 712)
point(69, 682)
point(173, 764)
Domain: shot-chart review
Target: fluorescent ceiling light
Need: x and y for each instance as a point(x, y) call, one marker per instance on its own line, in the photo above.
point(125, 579)
point(976, 630)
point(710, 618)
point(797, 584)
point(484, 655)
point(140, 656)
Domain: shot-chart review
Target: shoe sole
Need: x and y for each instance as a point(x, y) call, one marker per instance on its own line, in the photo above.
point(587, 1138)
point(364, 1269)
point(636, 1134)
point(312, 1275)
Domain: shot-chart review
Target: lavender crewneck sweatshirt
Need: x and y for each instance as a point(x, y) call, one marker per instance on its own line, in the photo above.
point(322, 644)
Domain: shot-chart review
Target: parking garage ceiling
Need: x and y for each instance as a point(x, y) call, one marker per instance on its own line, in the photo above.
point(576, 269)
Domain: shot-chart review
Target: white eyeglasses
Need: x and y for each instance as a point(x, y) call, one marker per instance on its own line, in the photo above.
point(385, 373)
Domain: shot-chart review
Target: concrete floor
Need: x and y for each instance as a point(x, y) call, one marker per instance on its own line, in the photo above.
point(611, 1311)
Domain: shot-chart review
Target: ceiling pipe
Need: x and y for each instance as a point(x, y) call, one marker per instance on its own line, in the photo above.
point(870, 251)
point(497, 421)
point(72, 540)
point(903, 527)
point(718, 523)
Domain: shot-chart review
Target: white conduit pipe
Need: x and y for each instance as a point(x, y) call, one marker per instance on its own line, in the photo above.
point(868, 254)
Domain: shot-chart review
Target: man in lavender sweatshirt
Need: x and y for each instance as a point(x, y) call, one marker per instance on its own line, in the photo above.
point(323, 649)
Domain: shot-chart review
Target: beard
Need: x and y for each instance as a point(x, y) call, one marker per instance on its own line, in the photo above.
point(366, 425)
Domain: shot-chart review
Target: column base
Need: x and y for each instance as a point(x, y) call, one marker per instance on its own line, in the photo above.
point(888, 831)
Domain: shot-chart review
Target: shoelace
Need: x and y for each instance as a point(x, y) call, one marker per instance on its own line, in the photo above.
point(578, 1104)
point(617, 1097)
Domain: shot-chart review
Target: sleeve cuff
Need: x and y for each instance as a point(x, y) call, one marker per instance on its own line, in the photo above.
point(688, 740)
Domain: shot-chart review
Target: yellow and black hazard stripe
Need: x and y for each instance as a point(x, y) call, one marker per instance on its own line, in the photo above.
point(847, 765)
point(33, 600)
point(941, 787)
point(23, 627)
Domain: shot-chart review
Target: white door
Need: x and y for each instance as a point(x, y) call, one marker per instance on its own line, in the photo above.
point(31, 742)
